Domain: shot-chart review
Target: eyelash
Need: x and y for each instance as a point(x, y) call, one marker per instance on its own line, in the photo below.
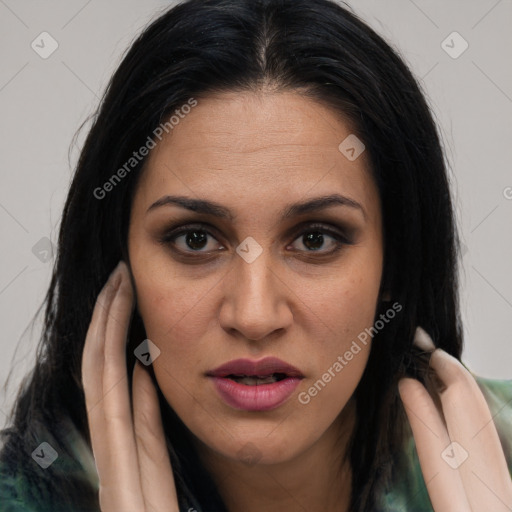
point(170, 236)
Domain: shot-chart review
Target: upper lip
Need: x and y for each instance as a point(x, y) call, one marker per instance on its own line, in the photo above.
point(263, 367)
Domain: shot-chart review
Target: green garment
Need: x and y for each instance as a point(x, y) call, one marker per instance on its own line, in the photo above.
point(408, 493)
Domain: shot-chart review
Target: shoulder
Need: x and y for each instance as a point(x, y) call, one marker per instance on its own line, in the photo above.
point(498, 394)
point(10, 490)
point(42, 472)
point(408, 490)
point(18, 484)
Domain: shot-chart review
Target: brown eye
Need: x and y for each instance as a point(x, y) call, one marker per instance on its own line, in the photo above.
point(196, 240)
point(190, 239)
point(314, 240)
point(322, 240)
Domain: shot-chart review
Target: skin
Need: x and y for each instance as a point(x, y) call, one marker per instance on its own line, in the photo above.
point(471, 474)
point(254, 154)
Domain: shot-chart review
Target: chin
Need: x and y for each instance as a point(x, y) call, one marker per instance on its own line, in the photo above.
point(261, 447)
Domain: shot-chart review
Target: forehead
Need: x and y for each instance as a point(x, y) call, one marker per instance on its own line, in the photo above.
point(259, 146)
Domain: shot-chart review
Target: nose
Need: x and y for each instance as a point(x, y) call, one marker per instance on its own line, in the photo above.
point(256, 302)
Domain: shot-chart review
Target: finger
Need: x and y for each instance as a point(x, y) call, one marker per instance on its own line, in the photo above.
point(122, 489)
point(469, 422)
point(157, 479)
point(92, 356)
point(109, 413)
point(444, 485)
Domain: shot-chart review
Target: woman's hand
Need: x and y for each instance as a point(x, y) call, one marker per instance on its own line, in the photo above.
point(131, 455)
point(460, 454)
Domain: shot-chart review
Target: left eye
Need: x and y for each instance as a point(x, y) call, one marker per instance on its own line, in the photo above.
point(315, 239)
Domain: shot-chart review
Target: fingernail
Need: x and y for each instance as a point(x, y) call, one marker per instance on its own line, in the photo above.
point(116, 276)
point(403, 382)
point(423, 341)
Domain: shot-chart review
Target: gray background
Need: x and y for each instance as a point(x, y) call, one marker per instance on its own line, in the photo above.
point(43, 102)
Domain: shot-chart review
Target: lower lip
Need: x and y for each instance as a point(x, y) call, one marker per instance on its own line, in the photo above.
point(255, 398)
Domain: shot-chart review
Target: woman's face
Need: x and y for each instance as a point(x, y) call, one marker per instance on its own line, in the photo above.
point(265, 268)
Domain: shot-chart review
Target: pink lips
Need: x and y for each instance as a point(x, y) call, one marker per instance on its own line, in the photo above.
point(261, 397)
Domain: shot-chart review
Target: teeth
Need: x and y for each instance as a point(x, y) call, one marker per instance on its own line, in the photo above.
point(255, 381)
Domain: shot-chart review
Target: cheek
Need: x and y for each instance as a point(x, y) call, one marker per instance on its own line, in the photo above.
point(345, 304)
point(178, 313)
point(171, 298)
point(342, 310)
point(346, 310)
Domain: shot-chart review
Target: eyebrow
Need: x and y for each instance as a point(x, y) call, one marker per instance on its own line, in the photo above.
point(292, 210)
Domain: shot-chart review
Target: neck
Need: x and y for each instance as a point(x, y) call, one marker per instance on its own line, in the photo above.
point(314, 480)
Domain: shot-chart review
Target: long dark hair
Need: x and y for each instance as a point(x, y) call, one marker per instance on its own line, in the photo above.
point(316, 48)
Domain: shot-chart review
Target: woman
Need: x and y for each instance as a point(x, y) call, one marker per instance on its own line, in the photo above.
point(258, 253)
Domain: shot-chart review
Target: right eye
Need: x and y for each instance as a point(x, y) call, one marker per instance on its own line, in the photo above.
point(190, 240)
